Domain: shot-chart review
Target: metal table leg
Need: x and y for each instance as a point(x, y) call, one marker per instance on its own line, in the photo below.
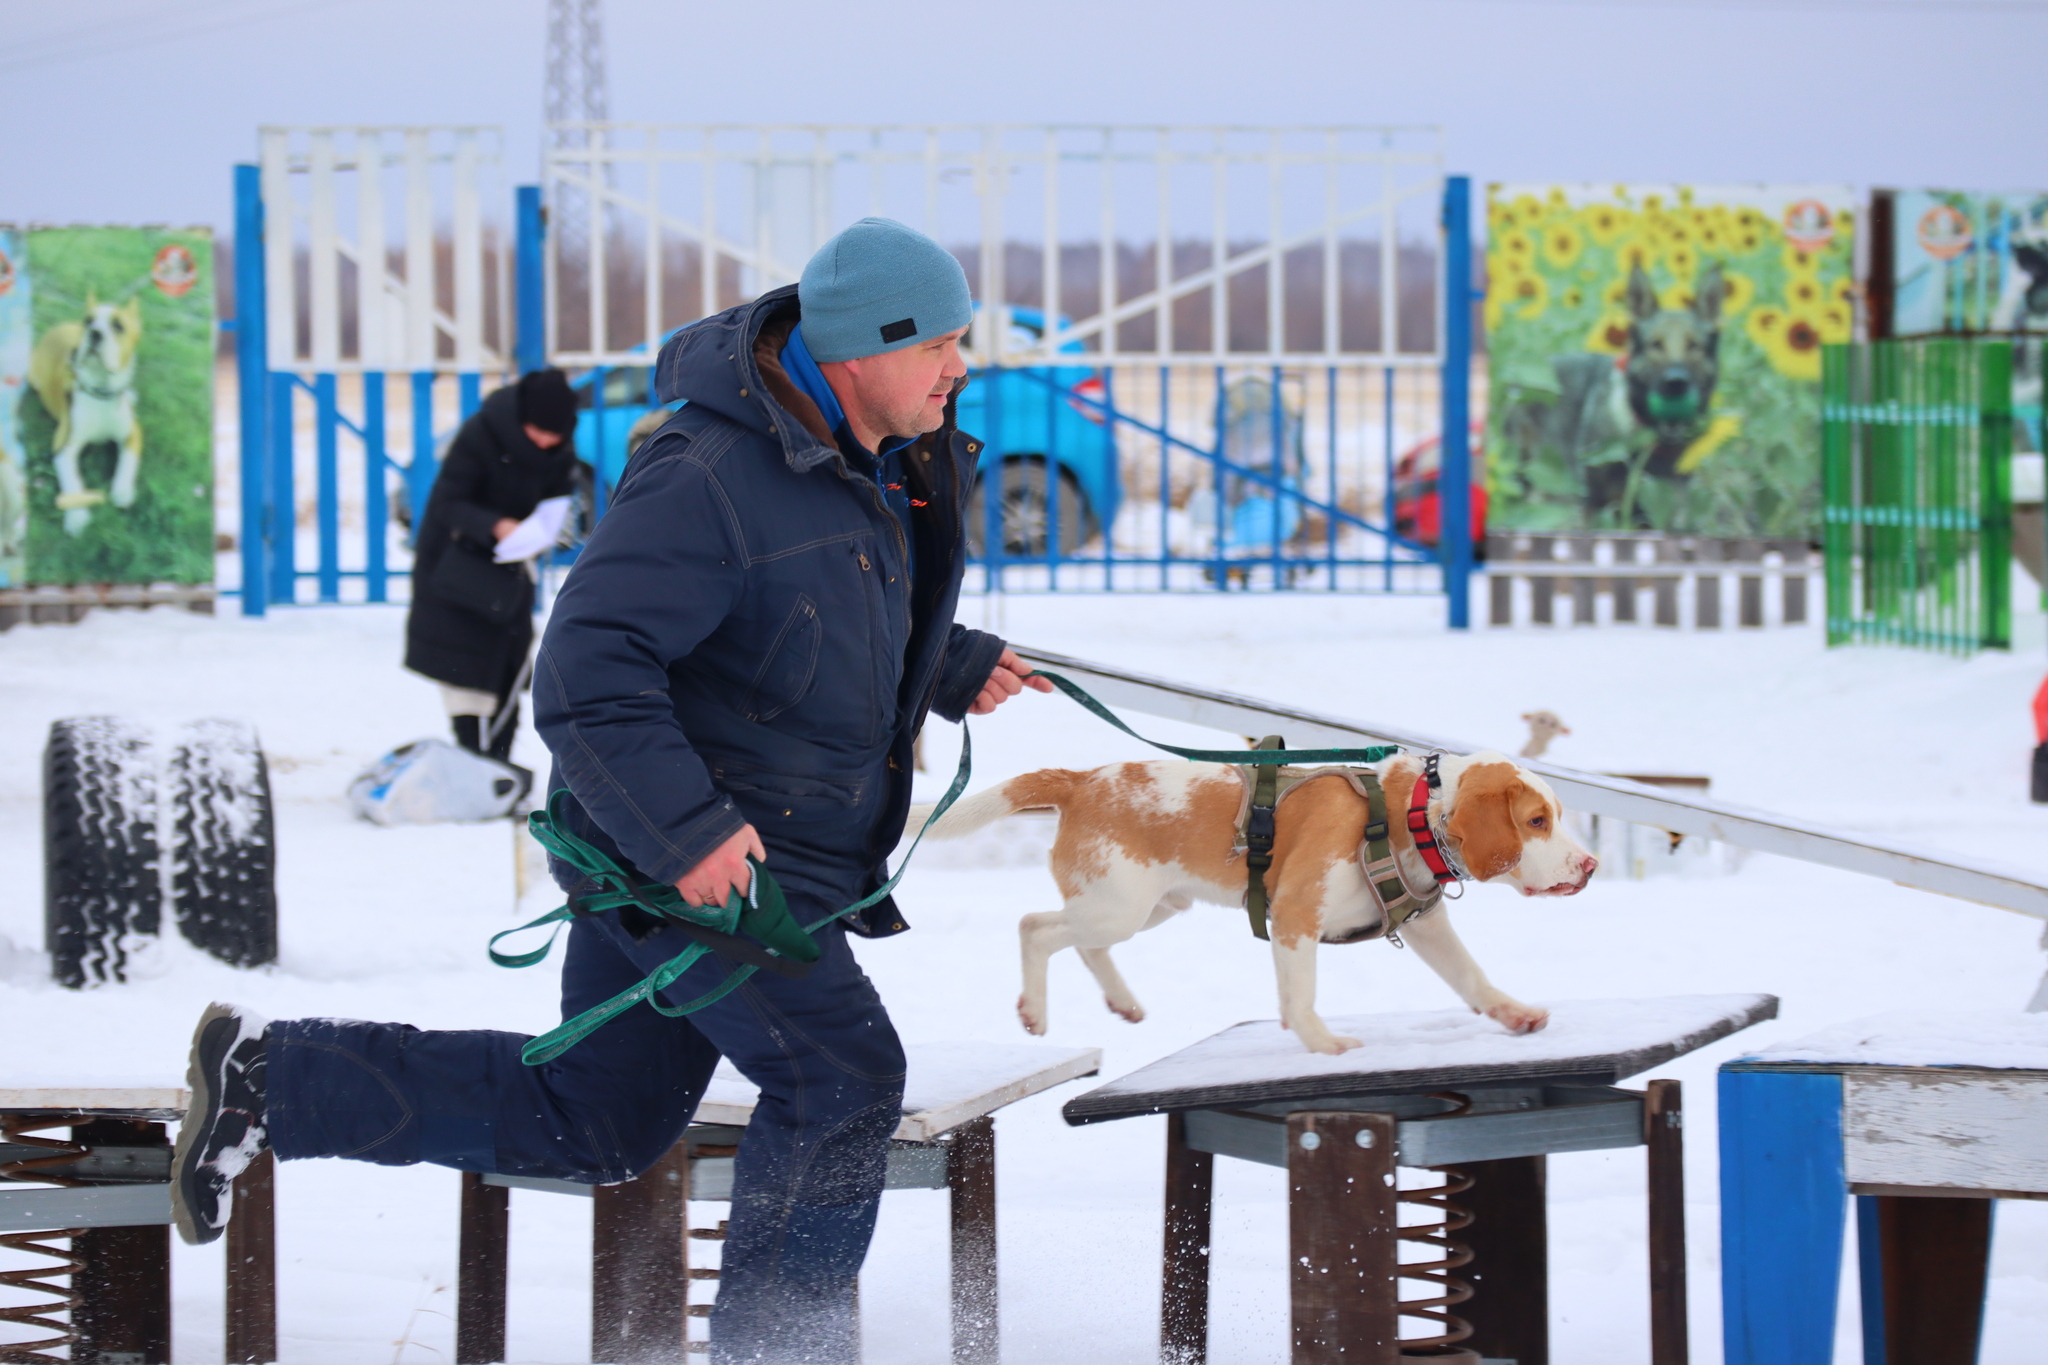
point(480, 1271)
point(639, 1294)
point(123, 1281)
point(1184, 1293)
point(1509, 1240)
point(1341, 1254)
point(1664, 1135)
point(1925, 1261)
point(971, 1179)
point(252, 1266)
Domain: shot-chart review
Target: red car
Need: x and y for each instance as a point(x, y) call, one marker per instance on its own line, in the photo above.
point(1417, 516)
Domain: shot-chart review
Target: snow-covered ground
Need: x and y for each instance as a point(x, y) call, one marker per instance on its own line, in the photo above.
point(390, 924)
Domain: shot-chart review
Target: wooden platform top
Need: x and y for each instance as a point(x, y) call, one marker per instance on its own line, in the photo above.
point(1987, 1040)
point(1594, 1041)
point(948, 1083)
point(111, 1102)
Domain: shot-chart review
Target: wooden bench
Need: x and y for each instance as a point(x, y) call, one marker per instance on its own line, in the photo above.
point(640, 1271)
point(1924, 1119)
point(102, 1188)
point(1446, 1090)
point(116, 1212)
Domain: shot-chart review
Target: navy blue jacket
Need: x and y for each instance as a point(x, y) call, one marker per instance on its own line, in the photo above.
point(740, 641)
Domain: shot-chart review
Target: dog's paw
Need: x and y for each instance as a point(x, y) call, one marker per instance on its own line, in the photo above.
point(1033, 1020)
point(1130, 1011)
point(1516, 1017)
point(1331, 1044)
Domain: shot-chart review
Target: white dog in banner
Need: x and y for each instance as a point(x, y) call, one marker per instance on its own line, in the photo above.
point(84, 372)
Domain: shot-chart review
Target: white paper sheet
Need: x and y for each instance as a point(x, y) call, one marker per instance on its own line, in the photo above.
point(537, 533)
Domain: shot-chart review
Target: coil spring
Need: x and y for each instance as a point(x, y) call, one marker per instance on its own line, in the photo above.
point(1452, 1255)
point(717, 1234)
point(62, 1298)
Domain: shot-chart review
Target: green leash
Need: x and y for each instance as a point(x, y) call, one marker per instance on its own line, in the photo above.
point(1259, 757)
point(757, 929)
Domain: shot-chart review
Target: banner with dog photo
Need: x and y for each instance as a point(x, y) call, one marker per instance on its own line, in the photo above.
point(1654, 355)
point(106, 405)
point(1964, 262)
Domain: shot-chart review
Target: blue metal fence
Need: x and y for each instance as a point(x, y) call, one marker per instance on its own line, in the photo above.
point(280, 563)
point(1209, 493)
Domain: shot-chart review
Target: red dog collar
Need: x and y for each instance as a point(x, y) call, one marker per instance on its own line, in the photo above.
point(1418, 824)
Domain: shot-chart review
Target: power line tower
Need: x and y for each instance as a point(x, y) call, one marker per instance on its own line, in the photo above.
point(577, 92)
point(576, 84)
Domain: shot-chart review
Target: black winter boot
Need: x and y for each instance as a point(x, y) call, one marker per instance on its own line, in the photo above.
point(2041, 772)
point(469, 732)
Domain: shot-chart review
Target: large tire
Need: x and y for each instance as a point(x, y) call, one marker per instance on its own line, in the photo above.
point(223, 843)
point(101, 879)
point(1026, 515)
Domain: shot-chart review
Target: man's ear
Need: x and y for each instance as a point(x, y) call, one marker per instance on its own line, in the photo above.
point(1482, 822)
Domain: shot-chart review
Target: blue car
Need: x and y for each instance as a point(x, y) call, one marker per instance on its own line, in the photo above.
point(1036, 418)
point(1031, 417)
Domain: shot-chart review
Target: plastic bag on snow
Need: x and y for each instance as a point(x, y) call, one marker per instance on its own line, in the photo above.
point(430, 781)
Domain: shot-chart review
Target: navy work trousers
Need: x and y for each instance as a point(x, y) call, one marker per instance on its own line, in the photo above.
point(809, 1171)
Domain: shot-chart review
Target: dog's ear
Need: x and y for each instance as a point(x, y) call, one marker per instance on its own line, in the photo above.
point(1482, 822)
point(92, 298)
point(1642, 295)
point(131, 313)
point(1706, 300)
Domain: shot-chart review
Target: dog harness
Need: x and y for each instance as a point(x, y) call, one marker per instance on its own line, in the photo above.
point(1266, 786)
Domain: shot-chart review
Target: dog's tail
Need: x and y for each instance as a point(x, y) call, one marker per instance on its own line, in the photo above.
point(1046, 789)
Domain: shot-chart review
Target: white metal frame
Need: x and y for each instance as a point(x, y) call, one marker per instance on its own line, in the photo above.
point(801, 181)
point(325, 194)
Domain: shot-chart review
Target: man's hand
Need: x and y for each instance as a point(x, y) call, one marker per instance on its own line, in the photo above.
point(723, 871)
point(1011, 676)
point(504, 526)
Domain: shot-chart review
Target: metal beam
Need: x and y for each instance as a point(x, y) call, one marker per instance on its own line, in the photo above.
point(1921, 869)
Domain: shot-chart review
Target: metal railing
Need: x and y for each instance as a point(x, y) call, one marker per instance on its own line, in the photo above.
point(1917, 516)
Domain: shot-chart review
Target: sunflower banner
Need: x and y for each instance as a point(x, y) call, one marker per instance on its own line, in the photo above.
point(1654, 355)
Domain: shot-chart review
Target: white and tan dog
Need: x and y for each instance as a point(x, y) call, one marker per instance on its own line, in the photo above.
point(1140, 842)
point(84, 372)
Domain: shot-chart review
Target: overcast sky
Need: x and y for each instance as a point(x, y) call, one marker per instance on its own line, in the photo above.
point(132, 111)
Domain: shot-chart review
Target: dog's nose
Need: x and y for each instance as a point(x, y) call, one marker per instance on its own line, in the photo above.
point(1588, 865)
point(1675, 385)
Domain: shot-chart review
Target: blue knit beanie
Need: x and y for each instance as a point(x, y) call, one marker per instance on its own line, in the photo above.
point(880, 286)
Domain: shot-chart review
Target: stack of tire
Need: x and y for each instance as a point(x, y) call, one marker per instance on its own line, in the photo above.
point(124, 835)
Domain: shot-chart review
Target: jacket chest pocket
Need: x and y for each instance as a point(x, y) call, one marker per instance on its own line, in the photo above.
point(786, 675)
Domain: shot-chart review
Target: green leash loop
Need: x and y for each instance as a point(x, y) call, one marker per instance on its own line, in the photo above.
point(770, 922)
point(763, 914)
point(1258, 757)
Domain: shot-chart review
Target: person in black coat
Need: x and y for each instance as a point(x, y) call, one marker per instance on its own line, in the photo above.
point(471, 622)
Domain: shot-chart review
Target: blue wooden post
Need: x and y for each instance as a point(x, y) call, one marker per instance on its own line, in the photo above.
point(1454, 467)
point(1165, 479)
point(327, 439)
point(1220, 553)
point(283, 503)
point(600, 499)
point(1870, 1279)
point(1782, 1205)
point(469, 394)
point(529, 281)
point(419, 475)
point(376, 511)
point(252, 385)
